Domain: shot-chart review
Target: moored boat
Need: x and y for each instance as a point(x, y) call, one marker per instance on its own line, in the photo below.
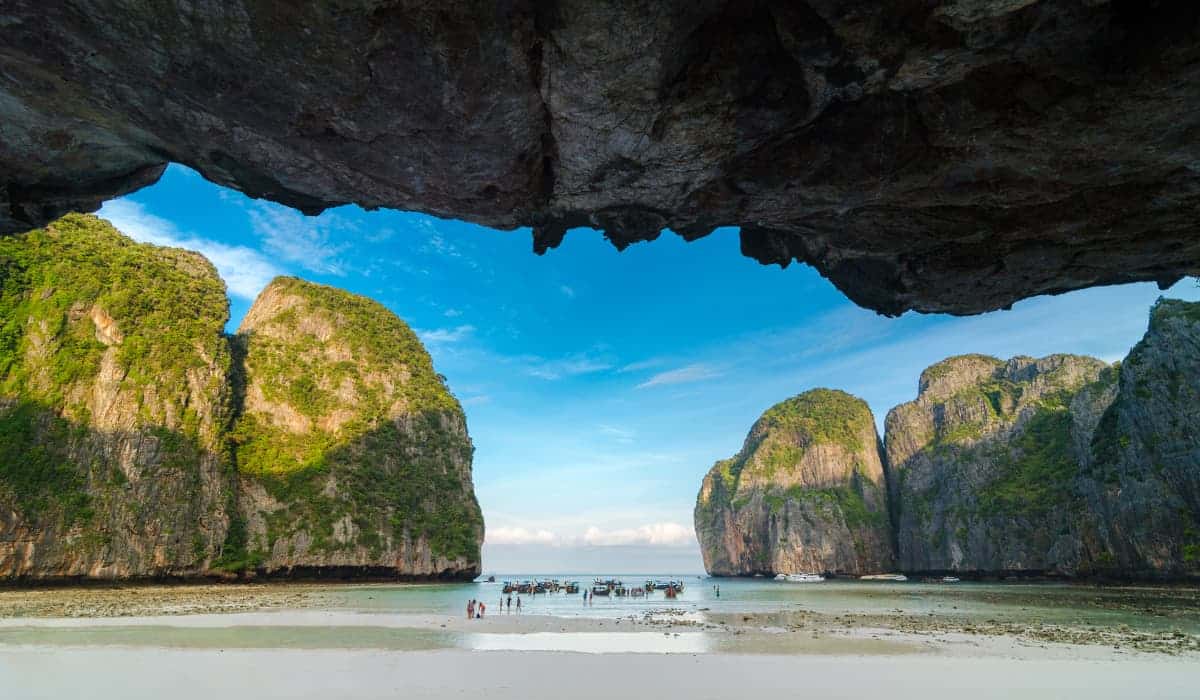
point(800, 578)
point(883, 577)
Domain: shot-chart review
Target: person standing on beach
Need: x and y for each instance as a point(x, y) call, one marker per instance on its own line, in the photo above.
point(470, 608)
point(482, 609)
point(510, 602)
point(518, 605)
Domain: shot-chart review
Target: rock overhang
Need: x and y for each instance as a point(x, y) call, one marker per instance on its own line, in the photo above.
point(951, 156)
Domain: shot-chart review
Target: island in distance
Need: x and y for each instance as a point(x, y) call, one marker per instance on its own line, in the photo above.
point(1063, 466)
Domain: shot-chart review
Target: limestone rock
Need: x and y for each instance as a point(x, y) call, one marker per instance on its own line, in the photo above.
point(137, 440)
point(113, 405)
point(352, 454)
point(1143, 466)
point(984, 464)
point(948, 155)
point(805, 494)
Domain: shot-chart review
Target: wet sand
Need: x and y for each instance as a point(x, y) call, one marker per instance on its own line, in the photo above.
point(183, 675)
point(287, 640)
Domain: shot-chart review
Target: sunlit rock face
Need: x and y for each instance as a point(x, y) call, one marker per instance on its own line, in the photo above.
point(353, 457)
point(806, 493)
point(949, 155)
point(139, 441)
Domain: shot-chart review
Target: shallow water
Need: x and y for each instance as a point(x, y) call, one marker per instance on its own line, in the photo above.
point(378, 616)
point(1144, 608)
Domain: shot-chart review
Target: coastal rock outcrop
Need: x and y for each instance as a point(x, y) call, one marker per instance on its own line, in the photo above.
point(1061, 466)
point(985, 463)
point(138, 440)
point(1143, 465)
point(805, 494)
point(947, 155)
point(114, 403)
point(351, 452)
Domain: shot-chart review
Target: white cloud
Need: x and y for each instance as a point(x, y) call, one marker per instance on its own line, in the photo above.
point(245, 270)
point(690, 373)
point(452, 313)
point(304, 240)
point(567, 291)
point(664, 534)
point(476, 400)
point(654, 534)
point(445, 335)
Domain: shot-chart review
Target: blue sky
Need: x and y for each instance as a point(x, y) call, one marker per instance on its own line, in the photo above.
point(600, 386)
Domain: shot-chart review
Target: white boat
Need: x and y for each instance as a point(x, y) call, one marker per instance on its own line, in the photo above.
point(884, 577)
point(950, 579)
point(800, 578)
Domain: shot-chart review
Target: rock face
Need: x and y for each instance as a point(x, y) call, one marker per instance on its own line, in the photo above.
point(949, 155)
point(805, 494)
point(985, 463)
point(1060, 466)
point(1143, 468)
point(137, 440)
point(114, 401)
point(351, 452)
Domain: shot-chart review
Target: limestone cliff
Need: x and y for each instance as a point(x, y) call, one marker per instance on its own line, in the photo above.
point(351, 452)
point(985, 462)
point(805, 494)
point(137, 440)
point(1143, 466)
point(113, 405)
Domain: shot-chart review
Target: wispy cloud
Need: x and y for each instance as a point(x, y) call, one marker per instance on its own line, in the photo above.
point(520, 535)
point(445, 335)
point(245, 270)
point(568, 292)
point(452, 313)
point(642, 365)
point(571, 366)
point(664, 534)
point(477, 400)
point(689, 373)
point(618, 434)
point(304, 240)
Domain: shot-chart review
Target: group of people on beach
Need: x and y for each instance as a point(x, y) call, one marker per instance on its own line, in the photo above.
point(476, 608)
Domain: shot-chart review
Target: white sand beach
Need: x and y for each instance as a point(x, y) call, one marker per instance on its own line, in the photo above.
point(33, 674)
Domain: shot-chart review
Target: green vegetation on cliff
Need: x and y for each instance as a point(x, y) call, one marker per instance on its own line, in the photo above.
point(348, 427)
point(824, 416)
point(137, 439)
point(166, 304)
point(805, 493)
point(90, 320)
